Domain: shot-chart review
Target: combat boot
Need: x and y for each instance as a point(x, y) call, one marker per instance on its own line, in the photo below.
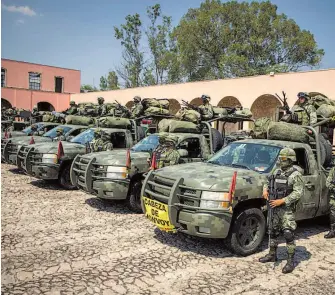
point(289, 266)
point(331, 233)
point(270, 257)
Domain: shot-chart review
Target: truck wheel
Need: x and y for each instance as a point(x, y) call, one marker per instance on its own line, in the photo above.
point(64, 178)
point(134, 198)
point(217, 140)
point(247, 232)
point(327, 150)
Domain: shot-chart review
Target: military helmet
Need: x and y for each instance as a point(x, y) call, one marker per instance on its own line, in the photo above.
point(205, 97)
point(170, 140)
point(137, 99)
point(101, 99)
point(287, 153)
point(303, 95)
point(72, 102)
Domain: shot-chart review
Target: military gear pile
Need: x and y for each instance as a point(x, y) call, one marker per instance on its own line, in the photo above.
point(325, 110)
point(51, 117)
point(261, 127)
point(287, 132)
point(114, 122)
point(218, 111)
point(244, 112)
point(188, 115)
point(175, 126)
point(79, 120)
point(156, 111)
point(157, 103)
point(319, 100)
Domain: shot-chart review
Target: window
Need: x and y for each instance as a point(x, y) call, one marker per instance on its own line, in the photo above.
point(35, 81)
point(192, 145)
point(3, 77)
point(59, 84)
point(118, 140)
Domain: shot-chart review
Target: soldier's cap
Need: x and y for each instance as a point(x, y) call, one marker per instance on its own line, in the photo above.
point(303, 95)
point(137, 98)
point(72, 102)
point(205, 97)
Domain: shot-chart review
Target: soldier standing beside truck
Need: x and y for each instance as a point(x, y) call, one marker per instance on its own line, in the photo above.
point(331, 187)
point(289, 188)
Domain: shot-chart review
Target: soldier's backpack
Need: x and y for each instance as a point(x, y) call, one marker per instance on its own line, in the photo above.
point(260, 127)
point(188, 115)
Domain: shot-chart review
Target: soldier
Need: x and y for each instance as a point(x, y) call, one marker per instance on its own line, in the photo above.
point(72, 109)
point(290, 188)
point(59, 134)
point(137, 108)
point(168, 154)
point(102, 107)
point(33, 130)
point(206, 109)
point(34, 111)
point(100, 142)
point(308, 115)
point(331, 186)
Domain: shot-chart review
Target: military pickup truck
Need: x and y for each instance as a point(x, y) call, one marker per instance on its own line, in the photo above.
point(194, 198)
point(13, 145)
point(43, 161)
point(105, 174)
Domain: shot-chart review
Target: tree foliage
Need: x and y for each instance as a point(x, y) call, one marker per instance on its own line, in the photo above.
point(103, 83)
point(235, 39)
point(87, 88)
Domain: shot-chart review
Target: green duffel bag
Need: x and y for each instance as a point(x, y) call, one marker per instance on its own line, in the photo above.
point(155, 111)
point(158, 103)
point(219, 111)
point(188, 115)
point(114, 122)
point(326, 110)
point(244, 112)
point(164, 125)
point(319, 100)
point(287, 132)
point(183, 127)
point(79, 120)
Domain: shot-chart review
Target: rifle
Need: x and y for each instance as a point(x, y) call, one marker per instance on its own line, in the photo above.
point(272, 196)
point(190, 106)
point(123, 108)
point(285, 106)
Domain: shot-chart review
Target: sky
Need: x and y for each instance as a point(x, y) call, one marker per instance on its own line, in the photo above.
point(79, 34)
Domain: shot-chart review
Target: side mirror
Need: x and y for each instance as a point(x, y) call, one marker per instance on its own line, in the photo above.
point(183, 153)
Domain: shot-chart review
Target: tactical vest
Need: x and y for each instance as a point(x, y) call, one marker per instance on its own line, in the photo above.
point(282, 187)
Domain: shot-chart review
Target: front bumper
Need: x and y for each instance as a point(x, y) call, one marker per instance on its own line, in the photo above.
point(12, 159)
point(45, 171)
point(184, 209)
point(111, 190)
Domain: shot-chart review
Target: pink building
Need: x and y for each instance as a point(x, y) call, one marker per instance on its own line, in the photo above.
point(24, 85)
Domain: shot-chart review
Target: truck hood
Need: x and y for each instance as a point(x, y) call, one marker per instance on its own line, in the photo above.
point(139, 160)
point(217, 178)
point(26, 139)
point(70, 149)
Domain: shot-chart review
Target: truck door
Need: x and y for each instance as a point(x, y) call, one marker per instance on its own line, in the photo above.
point(309, 202)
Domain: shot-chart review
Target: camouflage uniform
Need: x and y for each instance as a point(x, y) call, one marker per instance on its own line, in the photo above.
point(99, 143)
point(284, 215)
point(60, 135)
point(33, 130)
point(137, 108)
point(34, 111)
point(308, 115)
point(167, 154)
point(102, 109)
point(331, 186)
point(206, 109)
point(72, 109)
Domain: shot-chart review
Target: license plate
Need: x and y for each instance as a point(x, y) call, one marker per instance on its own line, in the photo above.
point(158, 213)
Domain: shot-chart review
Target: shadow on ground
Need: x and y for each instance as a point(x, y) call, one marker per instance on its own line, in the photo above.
point(47, 184)
point(17, 171)
point(109, 206)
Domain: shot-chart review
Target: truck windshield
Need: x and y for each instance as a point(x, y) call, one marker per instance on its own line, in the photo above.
point(251, 156)
point(52, 133)
point(147, 144)
point(84, 137)
point(28, 129)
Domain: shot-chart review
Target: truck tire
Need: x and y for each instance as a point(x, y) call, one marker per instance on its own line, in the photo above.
point(134, 198)
point(217, 140)
point(64, 178)
point(140, 132)
point(247, 232)
point(328, 150)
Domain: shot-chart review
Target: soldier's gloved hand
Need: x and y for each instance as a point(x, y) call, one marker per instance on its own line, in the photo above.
point(266, 194)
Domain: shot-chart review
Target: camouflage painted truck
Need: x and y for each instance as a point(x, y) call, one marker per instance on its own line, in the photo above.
point(46, 161)
point(12, 147)
point(197, 198)
point(112, 175)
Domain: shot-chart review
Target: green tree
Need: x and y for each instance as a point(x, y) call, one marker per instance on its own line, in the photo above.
point(87, 87)
point(112, 81)
point(103, 83)
point(130, 35)
point(236, 39)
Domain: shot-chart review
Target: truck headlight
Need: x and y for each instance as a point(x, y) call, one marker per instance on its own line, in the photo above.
point(49, 158)
point(116, 172)
point(214, 200)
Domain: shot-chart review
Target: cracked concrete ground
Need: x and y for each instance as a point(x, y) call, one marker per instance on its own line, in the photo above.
point(68, 242)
